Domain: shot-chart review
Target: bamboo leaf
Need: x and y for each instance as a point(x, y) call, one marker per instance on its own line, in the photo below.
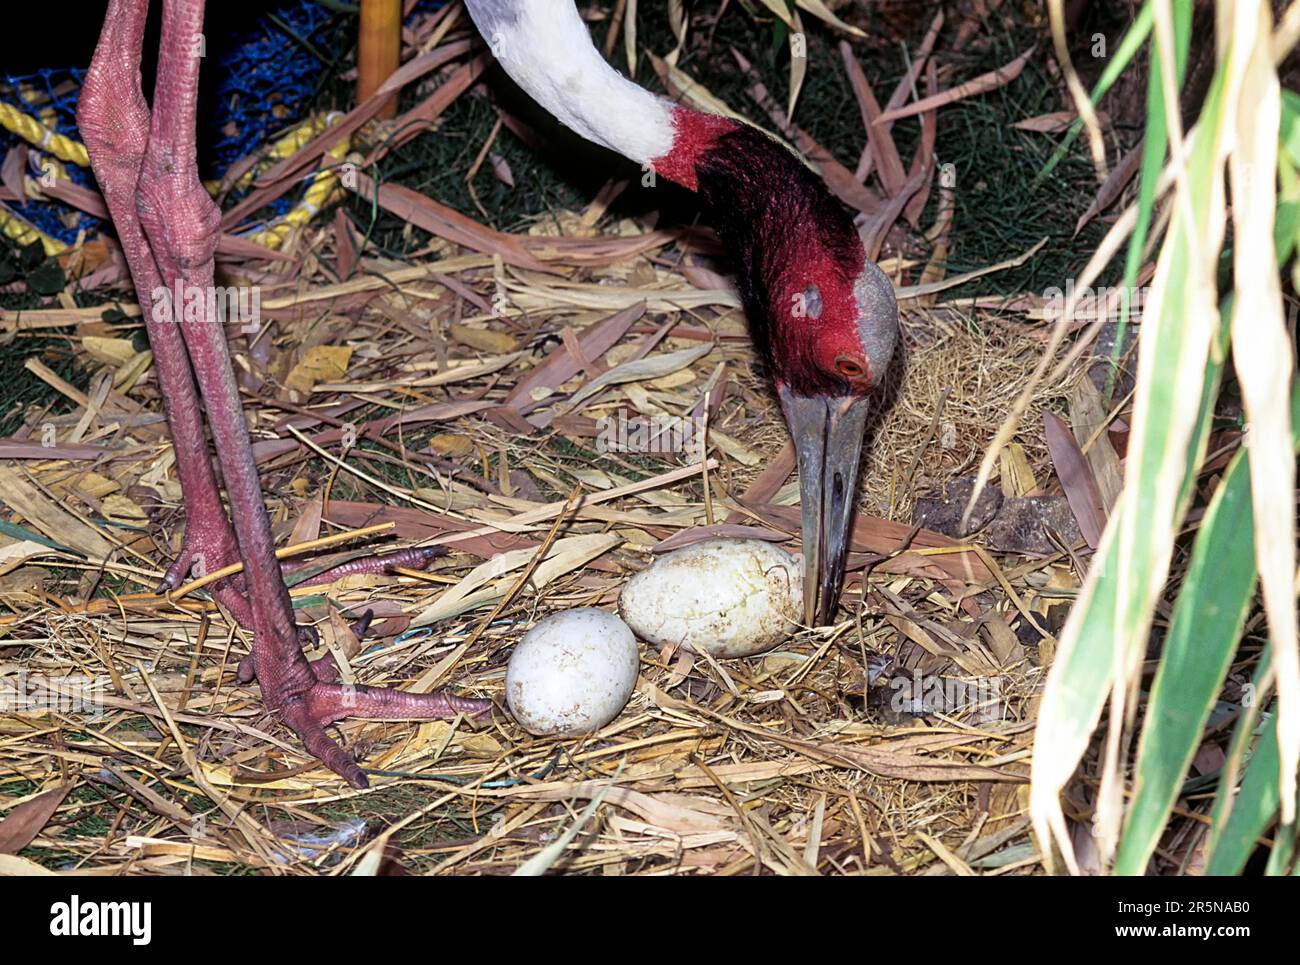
point(1241, 815)
point(1261, 354)
point(1154, 149)
point(563, 556)
point(541, 862)
point(1207, 620)
point(653, 367)
point(1108, 628)
point(819, 10)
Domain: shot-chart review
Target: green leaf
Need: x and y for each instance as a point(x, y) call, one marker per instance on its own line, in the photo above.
point(1155, 146)
point(1291, 126)
point(779, 34)
point(1286, 230)
point(1241, 816)
point(1232, 841)
point(1284, 842)
point(1217, 592)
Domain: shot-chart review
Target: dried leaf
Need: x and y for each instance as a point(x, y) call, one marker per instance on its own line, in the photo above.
point(978, 85)
point(14, 555)
point(321, 363)
point(653, 367)
point(22, 824)
point(451, 446)
point(501, 170)
point(51, 519)
point(1076, 479)
point(483, 339)
point(119, 507)
point(563, 556)
point(110, 351)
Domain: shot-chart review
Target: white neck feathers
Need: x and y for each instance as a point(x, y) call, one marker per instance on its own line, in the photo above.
point(545, 47)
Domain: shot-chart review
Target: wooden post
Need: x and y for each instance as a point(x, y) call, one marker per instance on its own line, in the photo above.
point(379, 48)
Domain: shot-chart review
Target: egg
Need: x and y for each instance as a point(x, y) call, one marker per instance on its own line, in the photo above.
point(724, 597)
point(572, 673)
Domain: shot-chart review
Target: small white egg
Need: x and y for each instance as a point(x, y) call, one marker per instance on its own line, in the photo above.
point(572, 673)
point(725, 597)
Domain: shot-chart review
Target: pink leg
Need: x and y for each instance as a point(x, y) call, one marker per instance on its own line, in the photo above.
point(180, 225)
point(114, 122)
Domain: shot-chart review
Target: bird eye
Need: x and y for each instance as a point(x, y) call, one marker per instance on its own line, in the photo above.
point(850, 368)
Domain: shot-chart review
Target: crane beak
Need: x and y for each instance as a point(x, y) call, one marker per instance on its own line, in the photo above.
point(827, 433)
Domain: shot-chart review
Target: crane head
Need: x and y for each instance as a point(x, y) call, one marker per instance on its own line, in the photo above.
point(827, 416)
point(822, 315)
point(842, 343)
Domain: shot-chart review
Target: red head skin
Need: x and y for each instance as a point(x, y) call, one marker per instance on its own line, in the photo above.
point(797, 254)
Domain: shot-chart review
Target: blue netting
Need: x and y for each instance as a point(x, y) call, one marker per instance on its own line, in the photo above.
point(269, 78)
point(50, 95)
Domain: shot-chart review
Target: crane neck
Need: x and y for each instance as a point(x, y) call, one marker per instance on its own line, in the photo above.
point(545, 48)
point(696, 135)
point(789, 238)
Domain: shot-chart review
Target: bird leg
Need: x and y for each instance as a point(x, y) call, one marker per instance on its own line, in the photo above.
point(147, 166)
point(114, 122)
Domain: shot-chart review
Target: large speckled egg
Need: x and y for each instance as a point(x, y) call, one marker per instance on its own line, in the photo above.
point(572, 673)
point(725, 597)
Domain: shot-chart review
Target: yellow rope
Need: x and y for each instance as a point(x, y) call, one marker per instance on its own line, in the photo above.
point(34, 132)
point(21, 231)
point(322, 186)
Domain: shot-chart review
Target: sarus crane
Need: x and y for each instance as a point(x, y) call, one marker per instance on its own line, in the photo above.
point(822, 315)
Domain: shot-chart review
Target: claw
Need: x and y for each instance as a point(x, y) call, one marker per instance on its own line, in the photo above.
point(361, 626)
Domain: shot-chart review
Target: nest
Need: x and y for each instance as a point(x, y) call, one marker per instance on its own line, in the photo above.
point(458, 395)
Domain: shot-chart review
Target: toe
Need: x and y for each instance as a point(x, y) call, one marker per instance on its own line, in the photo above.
point(321, 746)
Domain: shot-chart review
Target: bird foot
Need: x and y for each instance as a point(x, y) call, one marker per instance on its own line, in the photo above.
point(309, 698)
point(308, 712)
point(305, 692)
